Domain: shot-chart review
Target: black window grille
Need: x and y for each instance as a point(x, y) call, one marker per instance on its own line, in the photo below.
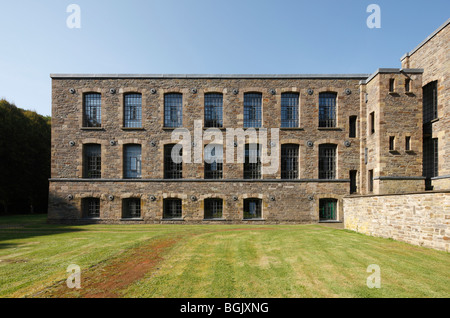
point(91, 207)
point(352, 127)
point(327, 209)
point(172, 209)
point(430, 157)
point(289, 110)
point(92, 161)
point(92, 116)
point(430, 102)
point(252, 208)
point(213, 208)
point(327, 161)
point(214, 168)
point(213, 110)
point(173, 110)
point(252, 110)
point(252, 164)
point(131, 208)
point(289, 161)
point(132, 161)
point(172, 169)
point(133, 110)
point(327, 109)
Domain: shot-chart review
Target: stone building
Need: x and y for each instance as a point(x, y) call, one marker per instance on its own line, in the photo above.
point(337, 136)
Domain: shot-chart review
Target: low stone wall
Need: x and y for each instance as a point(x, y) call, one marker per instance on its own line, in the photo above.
point(417, 218)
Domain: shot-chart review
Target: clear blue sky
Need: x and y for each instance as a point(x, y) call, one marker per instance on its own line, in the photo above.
point(202, 37)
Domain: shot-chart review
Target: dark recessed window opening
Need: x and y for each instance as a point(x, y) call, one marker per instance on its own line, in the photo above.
point(327, 209)
point(407, 143)
point(91, 207)
point(430, 102)
point(370, 180)
point(172, 208)
point(172, 168)
point(132, 161)
point(407, 85)
point(327, 109)
point(213, 208)
point(252, 110)
point(352, 127)
point(92, 116)
point(213, 110)
point(133, 110)
point(289, 161)
point(213, 162)
point(353, 184)
point(252, 208)
point(391, 143)
point(92, 161)
point(131, 208)
point(372, 122)
point(430, 157)
point(327, 161)
point(252, 164)
point(289, 110)
point(391, 85)
point(173, 110)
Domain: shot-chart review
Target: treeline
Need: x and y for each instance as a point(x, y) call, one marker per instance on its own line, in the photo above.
point(24, 160)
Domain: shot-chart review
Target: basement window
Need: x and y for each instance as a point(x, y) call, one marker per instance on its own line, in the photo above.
point(327, 209)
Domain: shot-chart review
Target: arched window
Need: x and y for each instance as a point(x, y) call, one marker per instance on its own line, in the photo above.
point(289, 110)
point(131, 208)
point(172, 168)
point(132, 110)
point(90, 208)
point(327, 161)
point(92, 116)
point(92, 161)
point(289, 161)
point(213, 161)
point(327, 109)
point(132, 161)
point(172, 209)
point(173, 110)
point(252, 208)
point(213, 208)
point(213, 110)
point(252, 110)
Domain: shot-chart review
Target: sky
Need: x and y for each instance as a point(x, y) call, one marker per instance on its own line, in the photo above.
point(202, 37)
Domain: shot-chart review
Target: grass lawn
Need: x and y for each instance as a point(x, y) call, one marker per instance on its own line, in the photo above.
point(211, 261)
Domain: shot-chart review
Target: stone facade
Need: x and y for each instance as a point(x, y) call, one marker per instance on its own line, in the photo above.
point(420, 219)
point(382, 106)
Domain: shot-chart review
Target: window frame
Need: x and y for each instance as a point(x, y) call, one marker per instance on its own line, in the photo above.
point(89, 155)
point(127, 213)
point(211, 207)
point(289, 159)
point(253, 110)
point(290, 101)
point(328, 109)
point(213, 106)
point(92, 110)
point(170, 204)
point(128, 107)
point(173, 110)
point(258, 208)
point(130, 158)
point(327, 163)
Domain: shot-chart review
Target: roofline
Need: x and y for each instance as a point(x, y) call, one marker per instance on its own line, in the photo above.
point(210, 76)
point(407, 54)
point(391, 71)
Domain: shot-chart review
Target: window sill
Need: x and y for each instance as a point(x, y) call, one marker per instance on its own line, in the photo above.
point(214, 219)
point(410, 94)
point(220, 128)
point(132, 219)
point(172, 219)
point(255, 219)
point(394, 152)
point(329, 128)
point(292, 128)
point(329, 221)
point(92, 128)
point(410, 152)
point(132, 128)
point(171, 128)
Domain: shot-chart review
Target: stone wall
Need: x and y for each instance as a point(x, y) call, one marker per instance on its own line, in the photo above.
point(419, 218)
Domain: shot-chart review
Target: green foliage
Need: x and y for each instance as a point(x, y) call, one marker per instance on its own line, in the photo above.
point(24, 159)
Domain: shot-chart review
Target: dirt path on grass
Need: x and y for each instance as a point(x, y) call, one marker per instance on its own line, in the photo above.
point(107, 279)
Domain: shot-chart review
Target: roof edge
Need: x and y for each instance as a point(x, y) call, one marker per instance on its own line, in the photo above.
point(389, 71)
point(428, 38)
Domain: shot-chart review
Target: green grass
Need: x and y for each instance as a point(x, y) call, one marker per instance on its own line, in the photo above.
point(222, 260)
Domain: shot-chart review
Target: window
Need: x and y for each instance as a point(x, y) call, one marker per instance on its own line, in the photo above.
point(289, 161)
point(327, 161)
point(132, 161)
point(92, 161)
point(252, 208)
point(172, 209)
point(92, 116)
point(131, 208)
point(213, 208)
point(353, 185)
point(173, 110)
point(430, 157)
point(172, 169)
point(91, 207)
point(352, 127)
point(289, 110)
point(407, 85)
point(252, 164)
point(370, 180)
point(407, 143)
point(132, 110)
point(327, 109)
point(391, 143)
point(213, 162)
point(372, 122)
point(430, 102)
point(213, 110)
point(391, 85)
point(252, 110)
point(327, 209)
